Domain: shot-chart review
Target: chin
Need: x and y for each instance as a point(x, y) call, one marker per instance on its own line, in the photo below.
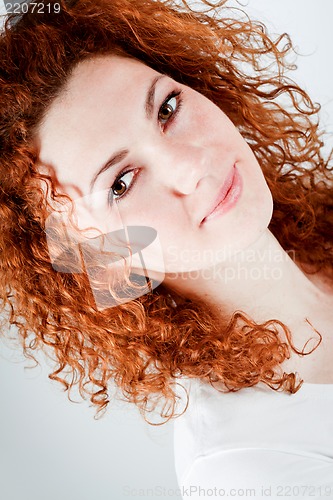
point(264, 217)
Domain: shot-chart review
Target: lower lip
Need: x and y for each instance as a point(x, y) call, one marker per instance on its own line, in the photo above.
point(230, 199)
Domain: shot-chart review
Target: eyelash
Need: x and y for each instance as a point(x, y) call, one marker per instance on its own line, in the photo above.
point(179, 101)
point(170, 96)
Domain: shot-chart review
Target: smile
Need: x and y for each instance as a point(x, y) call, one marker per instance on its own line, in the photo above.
point(227, 197)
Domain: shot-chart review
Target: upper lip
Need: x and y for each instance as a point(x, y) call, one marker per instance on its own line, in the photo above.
point(222, 192)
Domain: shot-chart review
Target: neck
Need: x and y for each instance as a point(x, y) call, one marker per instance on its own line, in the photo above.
point(263, 281)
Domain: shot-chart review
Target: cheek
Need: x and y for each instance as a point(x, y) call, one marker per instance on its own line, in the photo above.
point(199, 115)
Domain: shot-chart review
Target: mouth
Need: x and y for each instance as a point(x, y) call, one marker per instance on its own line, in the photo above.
point(227, 196)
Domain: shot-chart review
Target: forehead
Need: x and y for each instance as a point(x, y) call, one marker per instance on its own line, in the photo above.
point(106, 70)
point(93, 115)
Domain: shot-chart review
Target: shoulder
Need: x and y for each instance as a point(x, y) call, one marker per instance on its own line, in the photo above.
point(225, 437)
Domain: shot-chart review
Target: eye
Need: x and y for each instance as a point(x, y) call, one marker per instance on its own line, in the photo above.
point(169, 108)
point(121, 185)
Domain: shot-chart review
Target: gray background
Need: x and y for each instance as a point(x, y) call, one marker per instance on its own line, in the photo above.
point(52, 449)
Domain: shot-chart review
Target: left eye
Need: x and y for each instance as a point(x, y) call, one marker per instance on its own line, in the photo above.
point(168, 108)
point(122, 185)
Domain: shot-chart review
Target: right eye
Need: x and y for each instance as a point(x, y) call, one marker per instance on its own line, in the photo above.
point(122, 185)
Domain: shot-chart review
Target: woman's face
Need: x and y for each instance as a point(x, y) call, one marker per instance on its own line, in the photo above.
point(167, 152)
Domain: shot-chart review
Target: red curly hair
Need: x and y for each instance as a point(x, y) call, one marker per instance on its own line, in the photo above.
point(145, 345)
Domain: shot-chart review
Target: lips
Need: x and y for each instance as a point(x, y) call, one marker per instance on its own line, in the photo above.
point(222, 193)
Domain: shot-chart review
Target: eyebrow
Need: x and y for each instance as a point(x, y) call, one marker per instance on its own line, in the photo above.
point(120, 155)
point(149, 104)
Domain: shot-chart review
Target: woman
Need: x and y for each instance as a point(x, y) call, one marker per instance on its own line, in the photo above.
point(243, 287)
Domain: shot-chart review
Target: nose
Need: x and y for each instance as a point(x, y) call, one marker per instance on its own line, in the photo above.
point(180, 167)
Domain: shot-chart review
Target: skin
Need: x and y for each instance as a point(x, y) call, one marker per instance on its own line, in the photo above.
point(179, 159)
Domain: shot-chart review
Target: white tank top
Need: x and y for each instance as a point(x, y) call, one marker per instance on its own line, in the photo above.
point(255, 443)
